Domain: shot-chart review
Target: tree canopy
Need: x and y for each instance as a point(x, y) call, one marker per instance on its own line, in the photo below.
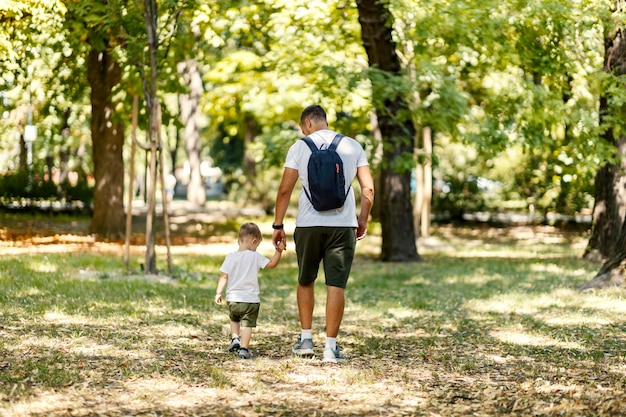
point(510, 89)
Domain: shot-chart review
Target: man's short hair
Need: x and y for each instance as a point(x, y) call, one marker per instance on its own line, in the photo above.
point(314, 112)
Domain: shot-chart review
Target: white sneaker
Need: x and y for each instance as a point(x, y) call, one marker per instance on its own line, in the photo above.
point(333, 356)
point(304, 348)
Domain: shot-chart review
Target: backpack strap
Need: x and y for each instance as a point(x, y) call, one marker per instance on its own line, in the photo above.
point(310, 143)
point(333, 145)
point(336, 141)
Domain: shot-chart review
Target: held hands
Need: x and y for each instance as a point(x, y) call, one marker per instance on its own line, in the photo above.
point(279, 240)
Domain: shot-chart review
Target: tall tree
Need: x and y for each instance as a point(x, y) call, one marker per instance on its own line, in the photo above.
point(107, 133)
point(396, 127)
point(98, 23)
point(609, 212)
point(609, 229)
point(190, 113)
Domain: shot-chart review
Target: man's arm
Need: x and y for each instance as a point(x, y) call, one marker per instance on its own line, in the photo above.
point(287, 183)
point(364, 175)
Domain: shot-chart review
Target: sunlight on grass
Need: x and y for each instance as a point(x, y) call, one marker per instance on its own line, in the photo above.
point(548, 388)
point(557, 269)
point(57, 317)
point(132, 396)
point(306, 378)
point(575, 318)
point(39, 341)
point(519, 303)
point(44, 403)
point(605, 304)
point(172, 392)
point(89, 348)
point(404, 313)
point(82, 346)
point(519, 337)
point(29, 292)
point(619, 368)
point(549, 306)
point(42, 265)
point(506, 252)
point(482, 327)
point(175, 332)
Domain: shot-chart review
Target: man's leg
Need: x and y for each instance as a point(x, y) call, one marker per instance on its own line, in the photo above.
point(306, 301)
point(335, 303)
point(307, 246)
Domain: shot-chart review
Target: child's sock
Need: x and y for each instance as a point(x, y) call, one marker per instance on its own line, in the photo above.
point(306, 334)
point(331, 342)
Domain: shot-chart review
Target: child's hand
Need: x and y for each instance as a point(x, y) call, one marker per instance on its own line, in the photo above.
point(218, 299)
point(281, 246)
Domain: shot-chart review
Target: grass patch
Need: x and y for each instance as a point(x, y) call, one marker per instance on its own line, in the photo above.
point(488, 324)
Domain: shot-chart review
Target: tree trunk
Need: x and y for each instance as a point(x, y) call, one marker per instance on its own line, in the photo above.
point(396, 213)
point(249, 163)
point(610, 192)
point(107, 135)
point(609, 208)
point(23, 165)
point(613, 271)
point(190, 117)
point(64, 152)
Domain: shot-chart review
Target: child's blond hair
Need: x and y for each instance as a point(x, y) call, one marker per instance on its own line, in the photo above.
point(250, 230)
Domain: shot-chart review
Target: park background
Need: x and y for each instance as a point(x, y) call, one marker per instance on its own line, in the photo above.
point(136, 136)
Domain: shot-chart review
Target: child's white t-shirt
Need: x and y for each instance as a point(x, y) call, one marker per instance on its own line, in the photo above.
point(352, 155)
point(243, 268)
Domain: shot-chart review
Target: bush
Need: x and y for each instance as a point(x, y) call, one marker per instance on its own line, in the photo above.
point(455, 197)
point(22, 189)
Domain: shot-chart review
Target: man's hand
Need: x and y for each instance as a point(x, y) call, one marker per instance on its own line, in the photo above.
point(361, 230)
point(279, 239)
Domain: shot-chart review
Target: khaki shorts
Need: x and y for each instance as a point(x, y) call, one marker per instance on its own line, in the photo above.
point(333, 245)
point(244, 313)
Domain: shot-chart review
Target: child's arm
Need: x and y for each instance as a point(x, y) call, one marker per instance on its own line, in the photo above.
point(273, 263)
point(220, 287)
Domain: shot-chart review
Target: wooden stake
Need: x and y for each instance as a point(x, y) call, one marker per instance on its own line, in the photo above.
point(166, 218)
point(131, 180)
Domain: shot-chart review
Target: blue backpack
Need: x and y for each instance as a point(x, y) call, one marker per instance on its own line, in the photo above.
point(327, 181)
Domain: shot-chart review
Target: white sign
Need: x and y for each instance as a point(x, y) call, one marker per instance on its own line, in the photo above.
point(30, 133)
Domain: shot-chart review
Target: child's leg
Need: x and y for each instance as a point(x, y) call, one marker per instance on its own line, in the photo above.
point(234, 329)
point(245, 336)
point(235, 344)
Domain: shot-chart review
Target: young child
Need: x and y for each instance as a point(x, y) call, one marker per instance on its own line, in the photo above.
point(240, 275)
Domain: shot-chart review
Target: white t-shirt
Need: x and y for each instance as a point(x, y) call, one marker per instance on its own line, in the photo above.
point(243, 268)
point(352, 155)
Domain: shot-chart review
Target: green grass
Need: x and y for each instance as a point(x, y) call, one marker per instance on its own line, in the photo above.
point(486, 325)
